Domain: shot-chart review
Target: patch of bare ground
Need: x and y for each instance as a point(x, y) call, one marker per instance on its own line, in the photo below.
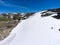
point(6, 28)
point(9, 21)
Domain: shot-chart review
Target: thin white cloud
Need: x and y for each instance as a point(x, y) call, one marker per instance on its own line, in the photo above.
point(11, 5)
point(16, 6)
point(1, 2)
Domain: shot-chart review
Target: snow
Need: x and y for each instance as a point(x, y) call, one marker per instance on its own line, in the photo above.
point(35, 31)
point(22, 13)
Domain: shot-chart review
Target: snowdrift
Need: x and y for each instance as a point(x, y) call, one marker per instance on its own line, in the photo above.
point(36, 30)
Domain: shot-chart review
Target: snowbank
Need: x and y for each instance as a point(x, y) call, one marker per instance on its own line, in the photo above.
point(35, 31)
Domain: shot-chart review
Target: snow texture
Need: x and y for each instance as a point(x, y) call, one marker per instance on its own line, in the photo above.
point(36, 30)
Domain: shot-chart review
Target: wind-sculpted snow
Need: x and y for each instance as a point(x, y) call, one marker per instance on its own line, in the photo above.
point(50, 12)
point(47, 13)
point(35, 30)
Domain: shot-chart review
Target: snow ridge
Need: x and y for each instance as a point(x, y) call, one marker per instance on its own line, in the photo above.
point(40, 29)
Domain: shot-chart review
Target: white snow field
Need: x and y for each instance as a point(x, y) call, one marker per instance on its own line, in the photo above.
point(36, 30)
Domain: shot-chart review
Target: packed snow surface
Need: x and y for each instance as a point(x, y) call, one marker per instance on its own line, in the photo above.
point(36, 30)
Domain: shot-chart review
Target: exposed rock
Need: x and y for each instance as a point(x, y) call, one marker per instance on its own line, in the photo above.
point(55, 13)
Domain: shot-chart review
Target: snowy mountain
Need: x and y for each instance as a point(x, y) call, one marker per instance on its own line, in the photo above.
point(43, 28)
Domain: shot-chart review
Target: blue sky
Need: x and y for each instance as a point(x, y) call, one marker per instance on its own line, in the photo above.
point(27, 5)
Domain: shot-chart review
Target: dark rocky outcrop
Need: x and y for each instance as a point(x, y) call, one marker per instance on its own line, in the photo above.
point(50, 12)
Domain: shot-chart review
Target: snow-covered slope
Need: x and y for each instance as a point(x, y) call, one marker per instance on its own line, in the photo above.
point(37, 30)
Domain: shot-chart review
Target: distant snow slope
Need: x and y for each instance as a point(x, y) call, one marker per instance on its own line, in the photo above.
point(36, 30)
